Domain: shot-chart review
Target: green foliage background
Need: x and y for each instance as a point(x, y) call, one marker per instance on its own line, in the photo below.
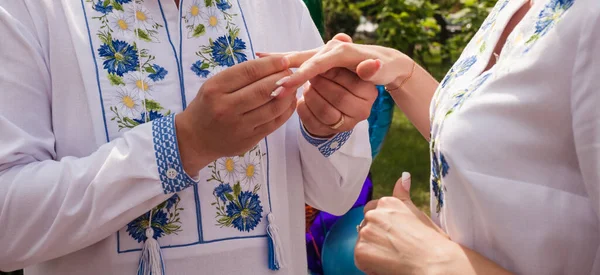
point(434, 33)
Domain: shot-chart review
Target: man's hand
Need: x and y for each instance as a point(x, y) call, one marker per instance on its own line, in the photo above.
point(335, 101)
point(233, 111)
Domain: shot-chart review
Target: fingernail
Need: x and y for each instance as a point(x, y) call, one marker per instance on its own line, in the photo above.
point(283, 80)
point(406, 181)
point(379, 64)
point(277, 92)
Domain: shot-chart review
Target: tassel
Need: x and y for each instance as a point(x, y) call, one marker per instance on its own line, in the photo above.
point(276, 256)
point(151, 262)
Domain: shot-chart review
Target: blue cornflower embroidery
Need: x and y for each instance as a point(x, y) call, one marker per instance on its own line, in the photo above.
point(223, 5)
point(439, 169)
point(548, 18)
point(165, 221)
point(222, 190)
point(227, 51)
point(119, 57)
point(152, 115)
point(157, 73)
point(200, 69)
point(122, 1)
point(103, 7)
point(245, 212)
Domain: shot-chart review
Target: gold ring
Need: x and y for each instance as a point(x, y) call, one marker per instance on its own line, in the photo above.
point(360, 226)
point(339, 123)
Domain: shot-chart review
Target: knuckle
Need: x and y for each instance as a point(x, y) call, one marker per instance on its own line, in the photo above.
point(386, 201)
point(371, 216)
point(251, 72)
point(275, 108)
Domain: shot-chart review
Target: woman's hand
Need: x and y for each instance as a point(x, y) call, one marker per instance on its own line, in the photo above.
point(397, 238)
point(379, 65)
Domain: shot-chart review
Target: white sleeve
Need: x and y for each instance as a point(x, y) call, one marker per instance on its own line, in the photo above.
point(585, 97)
point(334, 170)
point(51, 207)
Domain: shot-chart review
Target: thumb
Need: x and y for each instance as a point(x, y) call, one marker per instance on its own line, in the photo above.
point(367, 69)
point(402, 188)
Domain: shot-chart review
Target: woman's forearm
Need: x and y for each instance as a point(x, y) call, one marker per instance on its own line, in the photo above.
point(414, 98)
point(459, 260)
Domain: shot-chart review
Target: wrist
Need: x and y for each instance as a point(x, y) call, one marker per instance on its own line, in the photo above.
point(444, 258)
point(317, 134)
point(194, 156)
point(407, 67)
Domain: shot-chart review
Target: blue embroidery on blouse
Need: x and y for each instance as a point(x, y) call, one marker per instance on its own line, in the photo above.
point(548, 18)
point(157, 72)
point(165, 221)
point(439, 170)
point(223, 5)
point(459, 69)
point(200, 69)
point(245, 211)
point(312, 140)
point(334, 144)
point(224, 56)
point(103, 7)
point(172, 176)
point(119, 57)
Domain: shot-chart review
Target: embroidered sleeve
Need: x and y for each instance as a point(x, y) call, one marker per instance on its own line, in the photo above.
point(326, 146)
point(168, 159)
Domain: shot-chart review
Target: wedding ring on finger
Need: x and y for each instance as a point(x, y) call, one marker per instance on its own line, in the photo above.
point(338, 124)
point(360, 226)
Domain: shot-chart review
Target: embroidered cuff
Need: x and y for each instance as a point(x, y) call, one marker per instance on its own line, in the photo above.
point(168, 159)
point(326, 146)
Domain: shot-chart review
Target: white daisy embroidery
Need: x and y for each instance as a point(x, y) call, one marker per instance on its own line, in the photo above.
point(143, 17)
point(213, 19)
point(250, 171)
point(139, 82)
point(194, 13)
point(228, 168)
point(121, 24)
point(128, 102)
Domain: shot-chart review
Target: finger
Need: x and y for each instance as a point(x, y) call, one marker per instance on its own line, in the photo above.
point(270, 110)
point(353, 107)
point(370, 206)
point(310, 120)
point(298, 58)
point(271, 126)
point(326, 113)
point(343, 37)
point(402, 188)
point(351, 82)
point(243, 74)
point(257, 94)
point(367, 69)
point(373, 233)
point(320, 63)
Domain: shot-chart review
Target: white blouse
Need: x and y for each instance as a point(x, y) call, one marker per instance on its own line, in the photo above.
point(80, 168)
point(516, 150)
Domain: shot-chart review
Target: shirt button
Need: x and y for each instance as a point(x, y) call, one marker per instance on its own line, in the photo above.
point(334, 145)
point(172, 173)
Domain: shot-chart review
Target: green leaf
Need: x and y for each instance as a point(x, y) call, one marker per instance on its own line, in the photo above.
point(143, 35)
point(199, 31)
point(204, 66)
point(229, 196)
point(237, 189)
point(152, 105)
point(208, 3)
point(131, 122)
point(214, 203)
point(115, 80)
point(256, 188)
point(117, 6)
point(150, 70)
point(106, 3)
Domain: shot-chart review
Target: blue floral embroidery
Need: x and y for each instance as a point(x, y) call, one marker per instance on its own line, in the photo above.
point(200, 69)
point(165, 221)
point(152, 115)
point(439, 170)
point(227, 50)
point(548, 17)
point(494, 15)
point(245, 211)
point(459, 69)
point(222, 190)
point(157, 73)
point(103, 7)
point(119, 57)
point(122, 1)
point(223, 5)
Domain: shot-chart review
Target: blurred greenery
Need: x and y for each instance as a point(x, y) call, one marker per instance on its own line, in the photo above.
point(433, 33)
